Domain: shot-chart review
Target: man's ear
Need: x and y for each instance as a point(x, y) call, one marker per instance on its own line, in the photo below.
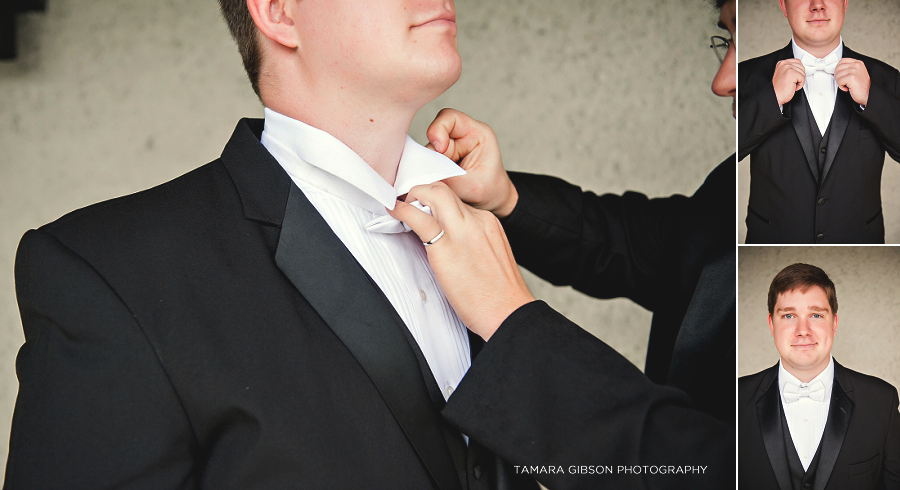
point(771, 326)
point(273, 19)
point(784, 9)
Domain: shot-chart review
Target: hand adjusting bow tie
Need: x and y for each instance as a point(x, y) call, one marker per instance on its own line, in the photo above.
point(813, 391)
point(387, 223)
point(826, 64)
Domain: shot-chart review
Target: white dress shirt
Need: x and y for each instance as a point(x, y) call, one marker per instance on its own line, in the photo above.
point(348, 194)
point(806, 417)
point(820, 87)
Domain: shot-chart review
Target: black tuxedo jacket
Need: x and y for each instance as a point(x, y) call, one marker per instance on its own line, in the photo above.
point(545, 392)
point(860, 448)
point(214, 333)
point(790, 201)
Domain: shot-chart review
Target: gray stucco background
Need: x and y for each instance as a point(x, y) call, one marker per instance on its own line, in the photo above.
point(871, 27)
point(867, 286)
point(108, 98)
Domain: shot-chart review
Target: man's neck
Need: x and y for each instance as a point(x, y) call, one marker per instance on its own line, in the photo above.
point(805, 375)
point(375, 131)
point(819, 51)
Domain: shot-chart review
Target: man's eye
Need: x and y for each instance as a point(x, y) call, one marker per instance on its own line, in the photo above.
point(787, 316)
point(816, 315)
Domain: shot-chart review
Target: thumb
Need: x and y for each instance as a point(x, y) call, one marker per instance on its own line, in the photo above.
point(424, 225)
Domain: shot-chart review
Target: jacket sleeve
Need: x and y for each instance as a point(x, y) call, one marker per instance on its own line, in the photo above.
point(758, 115)
point(604, 246)
point(95, 408)
point(545, 393)
point(882, 112)
point(617, 246)
point(890, 474)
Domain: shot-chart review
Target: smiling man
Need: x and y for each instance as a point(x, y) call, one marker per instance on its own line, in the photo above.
point(816, 118)
point(809, 422)
point(249, 325)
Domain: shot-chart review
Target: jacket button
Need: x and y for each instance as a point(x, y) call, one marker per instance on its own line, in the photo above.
point(823, 151)
point(477, 472)
point(807, 485)
point(820, 237)
point(821, 201)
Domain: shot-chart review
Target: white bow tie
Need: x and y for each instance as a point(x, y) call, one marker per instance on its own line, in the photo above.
point(388, 224)
point(826, 64)
point(813, 391)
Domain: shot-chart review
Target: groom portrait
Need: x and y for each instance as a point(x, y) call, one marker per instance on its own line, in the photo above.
point(244, 325)
point(816, 118)
point(809, 421)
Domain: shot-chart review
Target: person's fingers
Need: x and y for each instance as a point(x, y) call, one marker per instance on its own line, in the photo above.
point(423, 225)
point(446, 125)
point(456, 135)
point(445, 206)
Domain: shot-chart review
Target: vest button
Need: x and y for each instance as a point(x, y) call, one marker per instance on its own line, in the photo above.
point(821, 201)
point(823, 151)
point(477, 472)
point(820, 237)
point(807, 485)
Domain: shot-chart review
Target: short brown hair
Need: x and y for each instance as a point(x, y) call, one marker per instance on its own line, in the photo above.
point(802, 276)
point(244, 32)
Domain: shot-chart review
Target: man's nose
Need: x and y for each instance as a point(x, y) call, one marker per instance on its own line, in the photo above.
point(816, 5)
point(723, 83)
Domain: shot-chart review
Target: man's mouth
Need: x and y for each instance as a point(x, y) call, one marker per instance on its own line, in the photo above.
point(805, 346)
point(446, 18)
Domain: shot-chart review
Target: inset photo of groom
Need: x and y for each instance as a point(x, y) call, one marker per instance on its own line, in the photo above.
point(819, 122)
point(818, 340)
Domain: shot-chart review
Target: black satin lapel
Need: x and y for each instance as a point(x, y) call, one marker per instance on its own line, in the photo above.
point(327, 275)
point(768, 409)
point(839, 413)
point(839, 121)
point(800, 121)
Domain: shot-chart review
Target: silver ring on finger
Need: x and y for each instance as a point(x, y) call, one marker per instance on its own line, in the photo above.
point(435, 239)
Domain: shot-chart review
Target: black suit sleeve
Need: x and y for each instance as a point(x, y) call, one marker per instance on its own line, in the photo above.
point(94, 409)
point(882, 111)
point(611, 246)
point(545, 393)
point(604, 246)
point(758, 113)
point(890, 473)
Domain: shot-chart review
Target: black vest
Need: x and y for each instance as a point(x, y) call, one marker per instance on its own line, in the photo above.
point(800, 479)
point(820, 141)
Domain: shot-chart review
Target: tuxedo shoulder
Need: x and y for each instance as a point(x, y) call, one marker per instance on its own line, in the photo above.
point(748, 385)
point(757, 71)
point(162, 210)
point(868, 60)
point(879, 70)
point(869, 384)
point(759, 60)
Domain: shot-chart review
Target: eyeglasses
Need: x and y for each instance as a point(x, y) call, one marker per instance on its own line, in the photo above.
point(719, 45)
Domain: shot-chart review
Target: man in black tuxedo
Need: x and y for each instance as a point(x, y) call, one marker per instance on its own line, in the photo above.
point(543, 393)
point(809, 422)
point(816, 118)
point(230, 330)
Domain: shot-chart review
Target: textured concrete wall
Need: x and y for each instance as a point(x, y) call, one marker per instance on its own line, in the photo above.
point(871, 27)
point(108, 98)
point(867, 285)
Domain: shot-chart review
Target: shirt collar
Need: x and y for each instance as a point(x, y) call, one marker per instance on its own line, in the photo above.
point(314, 157)
point(799, 52)
point(826, 377)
